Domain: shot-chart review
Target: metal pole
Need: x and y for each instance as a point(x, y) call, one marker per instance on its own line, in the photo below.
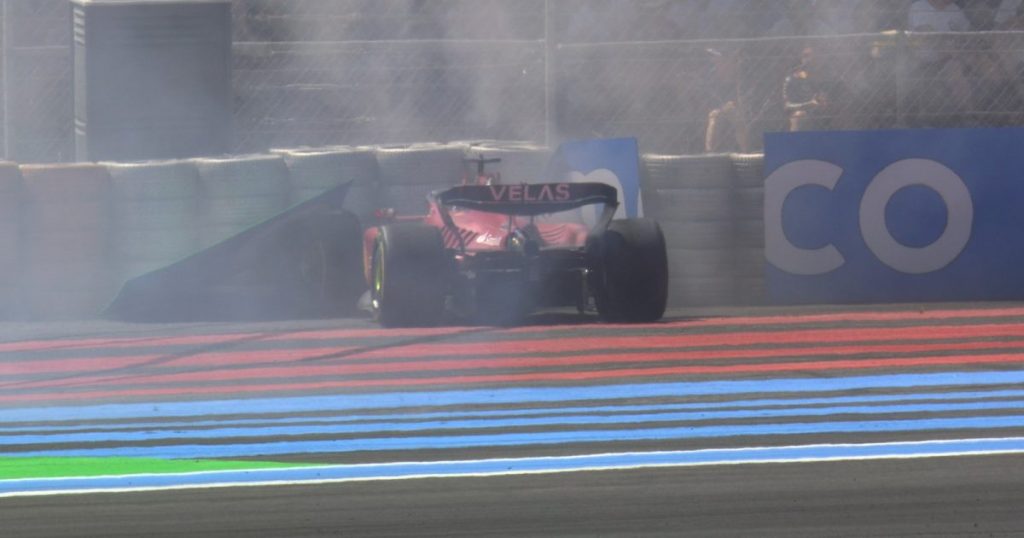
point(549, 94)
point(6, 44)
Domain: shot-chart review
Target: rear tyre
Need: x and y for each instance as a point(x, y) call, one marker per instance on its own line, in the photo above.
point(409, 276)
point(629, 271)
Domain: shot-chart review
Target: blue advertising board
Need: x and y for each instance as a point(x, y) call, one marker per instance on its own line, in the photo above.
point(894, 216)
point(614, 161)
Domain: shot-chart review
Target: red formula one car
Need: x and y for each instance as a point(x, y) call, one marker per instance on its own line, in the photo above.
point(492, 253)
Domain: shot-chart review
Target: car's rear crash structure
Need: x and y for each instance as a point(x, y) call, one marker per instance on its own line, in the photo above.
point(494, 253)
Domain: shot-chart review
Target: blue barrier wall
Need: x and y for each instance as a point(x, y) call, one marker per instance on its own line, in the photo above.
point(892, 216)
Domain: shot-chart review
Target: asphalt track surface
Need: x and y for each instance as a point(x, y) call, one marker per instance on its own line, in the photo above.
point(904, 420)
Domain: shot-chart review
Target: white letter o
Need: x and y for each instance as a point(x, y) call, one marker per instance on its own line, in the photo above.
point(959, 211)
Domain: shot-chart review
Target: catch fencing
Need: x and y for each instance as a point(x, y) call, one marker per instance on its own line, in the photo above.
point(328, 72)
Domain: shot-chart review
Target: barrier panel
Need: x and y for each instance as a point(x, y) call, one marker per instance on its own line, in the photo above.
point(155, 210)
point(86, 227)
point(303, 262)
point(11, 204)
point(239, 192)
point(748, 227)
point(887, 216)
point(409, 173)
point(67, 254)
point(316, 170)
point(692, 197)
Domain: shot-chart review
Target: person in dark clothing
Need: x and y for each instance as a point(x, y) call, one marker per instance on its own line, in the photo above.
point(805, 93)
point(727, 126)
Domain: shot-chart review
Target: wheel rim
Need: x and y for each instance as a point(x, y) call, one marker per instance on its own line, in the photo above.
point(376, 291)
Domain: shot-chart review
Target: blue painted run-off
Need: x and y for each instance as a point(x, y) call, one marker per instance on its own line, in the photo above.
point(567, 410)
point(279, 447)
point(379, 429)
point(355, 402)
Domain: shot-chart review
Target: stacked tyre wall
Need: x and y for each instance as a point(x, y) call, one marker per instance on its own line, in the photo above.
point(710, 210)
point(70, 235)
point(155, 215)
point(11, 204)
point(66, 241)
point(409, 173)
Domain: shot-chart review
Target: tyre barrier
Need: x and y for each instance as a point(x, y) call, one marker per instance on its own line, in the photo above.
point(239, 192)
point(689, 204)
point(435, 165)
point(409, 173)
point(711, 209)
point(315, 170)
point(748, 219)
point(67, 247)
point(692, 198)
point(155, 214)
point(748, 233)
point(747, 169)
point(748, 291)
point(11, 203)
point(692, 262)
point(749, 203)
point(688, 234)
point(406, 200)
point(748, 262)
point(701, 291)
point(712, 171)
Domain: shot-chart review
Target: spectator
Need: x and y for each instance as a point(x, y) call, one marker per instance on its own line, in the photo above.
point(805, 94)
point(727, 127)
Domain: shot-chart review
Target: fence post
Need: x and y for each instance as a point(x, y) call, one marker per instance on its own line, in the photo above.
point(902, 60)
point(5, 29)
point(549, 91)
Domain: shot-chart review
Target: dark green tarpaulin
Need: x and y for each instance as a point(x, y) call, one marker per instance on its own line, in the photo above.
point(304, 262)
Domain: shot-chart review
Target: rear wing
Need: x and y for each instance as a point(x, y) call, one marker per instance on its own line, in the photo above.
point(529, 199)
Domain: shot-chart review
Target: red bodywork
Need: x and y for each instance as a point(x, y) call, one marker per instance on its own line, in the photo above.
point(484, 231)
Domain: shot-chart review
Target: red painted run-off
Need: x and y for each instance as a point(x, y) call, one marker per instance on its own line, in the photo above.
point(516, 354)
point(741, 347)
point(332, 334)
point(684, 340)
point(137, 387)
point(638, 360)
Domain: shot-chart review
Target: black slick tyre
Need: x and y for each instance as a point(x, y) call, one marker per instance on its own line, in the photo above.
point(629, 271)
point(408, 279)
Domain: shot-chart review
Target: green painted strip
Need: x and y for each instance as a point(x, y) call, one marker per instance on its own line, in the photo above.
point(12, 468)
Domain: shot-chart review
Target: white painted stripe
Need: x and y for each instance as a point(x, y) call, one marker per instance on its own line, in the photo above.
point(319, 475)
